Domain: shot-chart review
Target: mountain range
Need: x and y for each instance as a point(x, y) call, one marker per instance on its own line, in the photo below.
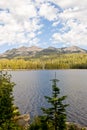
point(34, 51)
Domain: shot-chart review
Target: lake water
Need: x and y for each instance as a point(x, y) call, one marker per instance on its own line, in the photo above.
point(32, 86)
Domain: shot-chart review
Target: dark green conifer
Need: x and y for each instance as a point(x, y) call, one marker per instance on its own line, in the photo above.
point(6, 98)
point(56, 114)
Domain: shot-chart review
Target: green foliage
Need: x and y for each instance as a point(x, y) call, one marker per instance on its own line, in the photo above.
point(10, 126)
point(56, 114)
point(6, 98)
point(15, 111)
point(73, 126)
point(55, 61)
point(38, 124)
point(7, 109)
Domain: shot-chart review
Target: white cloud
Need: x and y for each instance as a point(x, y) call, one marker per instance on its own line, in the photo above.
point(48, 11)
point(26, 10)
point(20, 21)
point(75, 13)
point(55, 23)
point(70, 3)
point(75, 35)
point(32, 25)
point(33, 42)
point(74, 21)
point(75, 9)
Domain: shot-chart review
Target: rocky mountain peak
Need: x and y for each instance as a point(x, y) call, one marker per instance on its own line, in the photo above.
point(51, 48)
point(34, 50)
point(74, 49)
point(23, 48)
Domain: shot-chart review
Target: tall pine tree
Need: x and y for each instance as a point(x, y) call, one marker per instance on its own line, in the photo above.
point(56, 114)
point(6, 98)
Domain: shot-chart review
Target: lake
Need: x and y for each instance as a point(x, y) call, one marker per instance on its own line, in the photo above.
point(32, 86)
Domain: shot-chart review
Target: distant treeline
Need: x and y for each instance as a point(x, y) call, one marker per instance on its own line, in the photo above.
point(58, 61)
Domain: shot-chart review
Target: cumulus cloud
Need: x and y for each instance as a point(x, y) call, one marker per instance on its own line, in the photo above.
point(48, 11)
point(70, 3)
point(22, 21)
point(74, 23)
point(73, 33)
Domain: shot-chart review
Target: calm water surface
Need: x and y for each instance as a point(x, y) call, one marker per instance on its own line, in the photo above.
point(32, 86)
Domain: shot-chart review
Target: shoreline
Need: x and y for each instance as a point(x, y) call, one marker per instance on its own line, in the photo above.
point(38, 69)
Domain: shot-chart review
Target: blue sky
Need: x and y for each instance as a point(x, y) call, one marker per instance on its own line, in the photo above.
point(44, 23)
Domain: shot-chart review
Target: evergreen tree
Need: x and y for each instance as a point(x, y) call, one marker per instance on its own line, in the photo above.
point(56, 114)
point(6, 98)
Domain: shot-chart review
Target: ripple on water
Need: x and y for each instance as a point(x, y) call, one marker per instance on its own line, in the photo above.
point(32, 86)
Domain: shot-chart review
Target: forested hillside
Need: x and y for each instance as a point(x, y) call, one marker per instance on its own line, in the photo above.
point(55, 61)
